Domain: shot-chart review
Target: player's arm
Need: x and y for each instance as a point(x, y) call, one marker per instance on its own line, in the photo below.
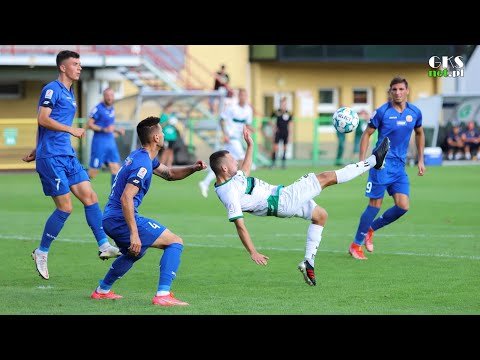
point(47, 122)
point(178, 172)
point(248, 243)
point(420, 142)
point(97, 128)
point(247, 162)
point(32, 155)
point(364, 142)
point(128, 210)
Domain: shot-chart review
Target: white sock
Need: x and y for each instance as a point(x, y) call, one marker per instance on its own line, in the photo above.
point(163, 293)
point(101, 291)
point(209, 178)
point(314, 236)
point(104, 246)
point(351, 171)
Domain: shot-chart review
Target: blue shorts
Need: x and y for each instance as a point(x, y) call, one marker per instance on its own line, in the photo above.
point(58, 173)
point(103, 153)
point(392, 178)
point(149, 230)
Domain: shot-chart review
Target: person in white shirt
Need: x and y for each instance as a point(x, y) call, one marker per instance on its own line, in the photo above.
point(232, 122)
point(241, 193)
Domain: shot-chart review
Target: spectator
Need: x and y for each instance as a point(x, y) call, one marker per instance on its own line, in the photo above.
point(363, 116)
point(455, 145)
point(168, 122)
point(282, 128)
point(221, 82)
point(471, 139)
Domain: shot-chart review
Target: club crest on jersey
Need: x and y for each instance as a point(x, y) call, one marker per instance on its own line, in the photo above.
point(409, 118)
point(49, 94)
point(142, 172)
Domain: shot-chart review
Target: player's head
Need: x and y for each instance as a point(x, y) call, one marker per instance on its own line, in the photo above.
point(399, 90)
point(283, 103)
point(222, 162)
point(108, 96)
point(149, 131)
point(68, 64)
point(242, 96)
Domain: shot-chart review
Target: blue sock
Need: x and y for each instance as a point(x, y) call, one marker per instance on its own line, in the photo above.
point(118, 268)
point(169, 264)
point(112, 180)
point(388, 217)
point(53, 226)
point(94, 220)
point(365, 221)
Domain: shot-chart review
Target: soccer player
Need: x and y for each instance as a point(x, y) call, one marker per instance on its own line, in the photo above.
point(57, 165)
point(232, 121)
point(133, 233)
point(241, 193)
point(396, 119)
point(104, 148)
point(282, 128)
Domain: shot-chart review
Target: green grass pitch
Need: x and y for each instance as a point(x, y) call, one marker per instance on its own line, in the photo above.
point(428, 262)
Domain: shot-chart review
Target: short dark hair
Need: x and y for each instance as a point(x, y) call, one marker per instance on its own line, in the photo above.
point(216, 160)
point(64, 55)
point(398, 80)
point(145, 128)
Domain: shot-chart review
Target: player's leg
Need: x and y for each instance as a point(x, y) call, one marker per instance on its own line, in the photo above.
point(118, 230)
point(319, 218)
point(400, 191)
point(112, 157)
point(96, 159)
point(55, 184)
point(172, 246)
point(275, 149)
point(285, 145)
point(82, 189)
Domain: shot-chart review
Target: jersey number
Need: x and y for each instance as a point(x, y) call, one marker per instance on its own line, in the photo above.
point(369, 187)
point(153, 225)
point(58, 182)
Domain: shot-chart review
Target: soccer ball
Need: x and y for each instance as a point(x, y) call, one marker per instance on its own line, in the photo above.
point(345, 120)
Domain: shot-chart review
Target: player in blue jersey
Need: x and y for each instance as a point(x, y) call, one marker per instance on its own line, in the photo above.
point(104, 148)
point(57, 165)
point(396, 120)
point(133, 233)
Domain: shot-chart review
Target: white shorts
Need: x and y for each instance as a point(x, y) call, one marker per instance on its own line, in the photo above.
point(297, 198)
point(235, 148)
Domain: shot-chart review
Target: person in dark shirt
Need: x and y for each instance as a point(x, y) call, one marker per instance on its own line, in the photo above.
point(471, 139)
point(282, 127)
point(455, 143)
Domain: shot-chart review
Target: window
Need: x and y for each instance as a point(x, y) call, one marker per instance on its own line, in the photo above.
point(327, 100)
point(11, 90)
point(362, 99)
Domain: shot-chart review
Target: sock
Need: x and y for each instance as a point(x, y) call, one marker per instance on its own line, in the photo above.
point(113, 179)
point(209, 178)
point(53, 226)
point(118, 268)
point(169, 264)
point(274, 155)
point(93, 214)
point(389, 216)
point(365, 221)
point(314, 236)
point(351, 171)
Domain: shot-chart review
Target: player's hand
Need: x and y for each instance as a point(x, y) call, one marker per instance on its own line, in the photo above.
point(78, 132)
point(199, 165)
point(226, 139)
point(259, 258)
point(421, 168)
point(135, 245)
point(120, 131)
point(247, 137)
point(30, 157)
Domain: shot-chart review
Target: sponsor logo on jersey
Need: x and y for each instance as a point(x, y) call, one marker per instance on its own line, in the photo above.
point(142, 172)
point(409, 118)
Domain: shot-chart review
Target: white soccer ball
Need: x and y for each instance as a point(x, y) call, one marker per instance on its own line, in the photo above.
point(345, 120)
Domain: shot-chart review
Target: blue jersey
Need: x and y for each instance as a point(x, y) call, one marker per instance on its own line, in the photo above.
point(137, 169)
point(104, 116)
point(397, 126)
point(62, 102)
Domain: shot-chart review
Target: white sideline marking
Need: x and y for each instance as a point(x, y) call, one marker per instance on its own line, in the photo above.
point(448, 256)
point(43, 287)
